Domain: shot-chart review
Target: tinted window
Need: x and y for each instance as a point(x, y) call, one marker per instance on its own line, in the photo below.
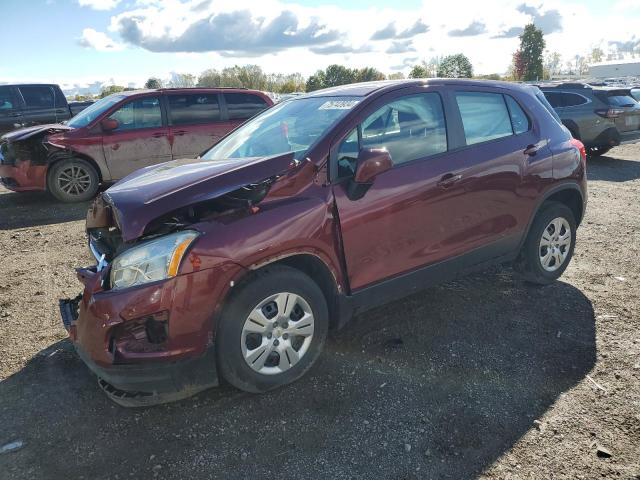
point(635, 93)
point(410, 128)
point(243, 105)
point(572, 100)
point(6, 99)
point(616, 99)
point(554, 99)
point(38, 96)
point(140, 113)
point(519, 119)
point(484, 116)
point(193, 108)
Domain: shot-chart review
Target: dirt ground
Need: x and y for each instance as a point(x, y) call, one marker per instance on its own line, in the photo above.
point(485, 377)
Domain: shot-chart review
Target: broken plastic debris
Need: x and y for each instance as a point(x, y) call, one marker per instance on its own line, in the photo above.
point(10, 447)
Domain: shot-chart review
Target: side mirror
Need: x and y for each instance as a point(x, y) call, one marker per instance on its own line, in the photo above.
point(109, 124)
point(371, 163)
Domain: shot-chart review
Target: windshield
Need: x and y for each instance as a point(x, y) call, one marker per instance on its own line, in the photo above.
point(291, 126)
point(635, 93)
point(93, 111)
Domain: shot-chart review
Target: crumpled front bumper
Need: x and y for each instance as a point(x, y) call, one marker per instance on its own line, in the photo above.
point(104, 327)
point(23, 176)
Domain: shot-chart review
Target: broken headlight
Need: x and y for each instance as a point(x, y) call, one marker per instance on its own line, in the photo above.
point(154, 260)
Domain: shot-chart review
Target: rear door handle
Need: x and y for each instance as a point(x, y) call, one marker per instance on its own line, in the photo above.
point(15, 114)
point(60, 111)
point(180, 132)
point(158, 134)
point(449, 179)
point(531, 150)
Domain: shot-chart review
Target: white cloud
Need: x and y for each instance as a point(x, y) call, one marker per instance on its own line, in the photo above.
point(99, 4)
point(289, 37)
point(98, 40)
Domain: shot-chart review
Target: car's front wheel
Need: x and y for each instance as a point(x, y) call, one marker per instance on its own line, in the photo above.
point(73, 180)
point(549, 246)
point(272, 330)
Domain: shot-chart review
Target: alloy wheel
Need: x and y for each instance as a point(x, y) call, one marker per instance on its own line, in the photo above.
point(555, 244)
point(277, 333)
point(74, 180)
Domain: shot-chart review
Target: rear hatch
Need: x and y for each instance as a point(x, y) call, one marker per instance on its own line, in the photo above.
point(626, 107)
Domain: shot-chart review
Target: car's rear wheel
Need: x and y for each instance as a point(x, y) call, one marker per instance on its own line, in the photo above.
point(549, 246)
point(73, 180)
point(272, 330)
point(597, 151)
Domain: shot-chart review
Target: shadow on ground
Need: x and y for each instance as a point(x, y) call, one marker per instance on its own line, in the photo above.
point(611, 169)
point(458, 372)
point(31, 209)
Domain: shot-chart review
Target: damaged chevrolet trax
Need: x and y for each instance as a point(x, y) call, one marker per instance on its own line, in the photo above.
point(236, 265)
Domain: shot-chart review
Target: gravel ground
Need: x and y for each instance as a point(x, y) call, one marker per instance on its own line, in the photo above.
point(485, 377)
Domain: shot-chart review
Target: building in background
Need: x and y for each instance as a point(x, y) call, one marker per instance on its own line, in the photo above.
point(615, 69)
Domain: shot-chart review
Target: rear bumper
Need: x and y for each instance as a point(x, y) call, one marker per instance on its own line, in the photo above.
point(24, 176)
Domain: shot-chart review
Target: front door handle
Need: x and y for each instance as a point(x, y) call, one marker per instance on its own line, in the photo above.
point(158, 134)
point(531, 150)
point(180, 132)
point(15, 114)
point(449, 179)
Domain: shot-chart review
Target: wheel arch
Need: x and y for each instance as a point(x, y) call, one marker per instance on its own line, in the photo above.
point(61, 156)
point(316, 268)
point(568, 194)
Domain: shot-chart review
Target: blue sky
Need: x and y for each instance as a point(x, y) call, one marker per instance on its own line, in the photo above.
point(127, 41)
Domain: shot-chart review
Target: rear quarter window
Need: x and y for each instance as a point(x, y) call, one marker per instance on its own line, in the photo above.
point(241, 106)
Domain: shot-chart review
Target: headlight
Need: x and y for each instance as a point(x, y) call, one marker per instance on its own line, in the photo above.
point(151, 261)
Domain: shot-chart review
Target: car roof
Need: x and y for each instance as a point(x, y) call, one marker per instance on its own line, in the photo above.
point(188, 90)
point(364, 89)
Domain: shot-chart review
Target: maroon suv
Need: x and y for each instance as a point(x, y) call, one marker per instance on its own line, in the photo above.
point(238, 264)
point(120, 134)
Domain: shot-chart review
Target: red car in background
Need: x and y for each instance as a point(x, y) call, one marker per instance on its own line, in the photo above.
point(120, 134)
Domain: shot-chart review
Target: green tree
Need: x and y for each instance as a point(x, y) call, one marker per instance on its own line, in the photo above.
point(419, 71)
point(111, 89)
point(315, 81)
point(368, 74)
point(153, 83)
point(531, 48)
point(596, 55)
point(335, 75)
point(455, 66)
point(396, 76)
point(182, 80)
point(210, 78)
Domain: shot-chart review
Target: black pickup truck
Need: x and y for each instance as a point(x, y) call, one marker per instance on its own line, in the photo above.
point(33, 104)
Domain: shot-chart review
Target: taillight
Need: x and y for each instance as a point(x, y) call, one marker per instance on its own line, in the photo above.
point(580, 146)
point(610, 112)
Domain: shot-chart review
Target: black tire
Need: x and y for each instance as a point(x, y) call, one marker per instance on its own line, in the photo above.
point(529, 263)
point(232, 365)
point(60, 186)
point(597, 151)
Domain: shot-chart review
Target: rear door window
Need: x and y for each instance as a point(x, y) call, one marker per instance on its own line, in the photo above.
point(139, 113)
point(38, 96)
point(554, 99)
point(7, 101)
point(241, 106)
point(572, 100)
point(484, 116)
point(194, 109)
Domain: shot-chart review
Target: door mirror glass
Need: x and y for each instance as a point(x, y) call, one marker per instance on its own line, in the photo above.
point(371, 163)
point(109, 124)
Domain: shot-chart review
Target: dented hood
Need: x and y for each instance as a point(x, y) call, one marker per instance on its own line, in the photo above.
point(28, 132)
point(153, 191)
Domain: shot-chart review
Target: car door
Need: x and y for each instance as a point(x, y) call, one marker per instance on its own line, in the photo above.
point(195, 123)
point(442, 198)
point(10, 110)
point(141, 138)
point(41, 105)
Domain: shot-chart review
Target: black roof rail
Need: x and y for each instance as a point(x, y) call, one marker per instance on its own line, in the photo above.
point(217, 88)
